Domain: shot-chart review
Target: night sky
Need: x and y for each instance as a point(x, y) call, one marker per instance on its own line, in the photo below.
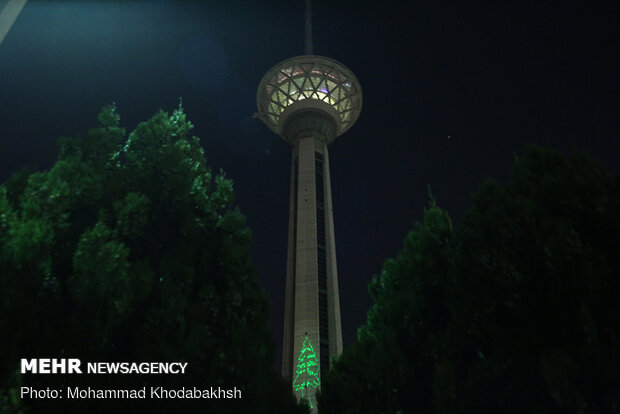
point(452, 91)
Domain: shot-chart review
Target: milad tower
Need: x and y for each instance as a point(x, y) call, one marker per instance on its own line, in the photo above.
point(308, 101)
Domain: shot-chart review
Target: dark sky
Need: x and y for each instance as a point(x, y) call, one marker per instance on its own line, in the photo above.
point(451, 91)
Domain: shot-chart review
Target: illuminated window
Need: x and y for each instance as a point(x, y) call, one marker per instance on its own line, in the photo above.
point(317, 80)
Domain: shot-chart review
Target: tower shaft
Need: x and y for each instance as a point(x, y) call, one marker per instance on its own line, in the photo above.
point(309, 101)
point(312, 304)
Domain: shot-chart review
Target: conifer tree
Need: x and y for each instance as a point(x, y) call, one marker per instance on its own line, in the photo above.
point(129, 248)
point(515, 310)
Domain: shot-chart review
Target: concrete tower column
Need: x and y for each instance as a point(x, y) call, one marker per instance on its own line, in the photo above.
point(312, 305)
point(309, 101)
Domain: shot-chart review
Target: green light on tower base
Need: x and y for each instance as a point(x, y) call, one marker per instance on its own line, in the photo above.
point(307, 371)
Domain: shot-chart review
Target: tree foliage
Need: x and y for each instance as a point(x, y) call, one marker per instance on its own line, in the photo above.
point(131, 249)
point(516, 310)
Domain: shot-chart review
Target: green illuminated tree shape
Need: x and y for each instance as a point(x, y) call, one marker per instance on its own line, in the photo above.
point(307, 370)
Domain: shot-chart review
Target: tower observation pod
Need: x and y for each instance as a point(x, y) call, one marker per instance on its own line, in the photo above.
point(310, 100)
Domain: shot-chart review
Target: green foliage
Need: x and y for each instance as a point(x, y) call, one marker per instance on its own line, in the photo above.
point(517, 310)
point(109, 117)
point(130, 249)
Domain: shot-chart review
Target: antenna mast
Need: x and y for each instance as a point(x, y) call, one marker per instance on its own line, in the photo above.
point(308, 28)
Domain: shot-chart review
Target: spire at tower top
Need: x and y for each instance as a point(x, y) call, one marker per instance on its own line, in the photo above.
point(308, 28)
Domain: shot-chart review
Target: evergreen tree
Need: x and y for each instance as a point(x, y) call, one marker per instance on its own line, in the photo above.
point(516, 310)
point(131, 249)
